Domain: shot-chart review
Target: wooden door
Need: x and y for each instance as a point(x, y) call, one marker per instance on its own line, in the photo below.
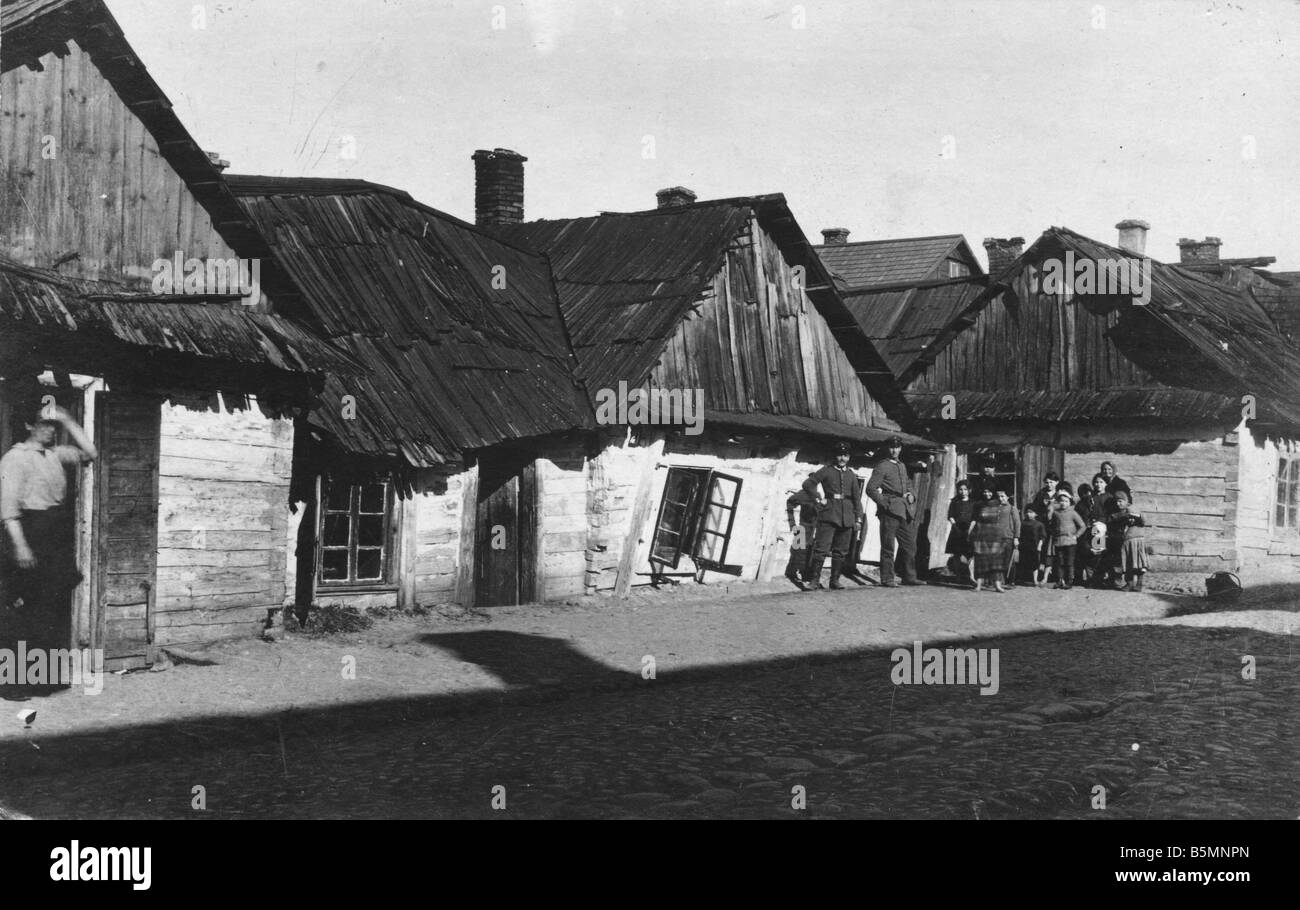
point(505, 531)
point(126, 528)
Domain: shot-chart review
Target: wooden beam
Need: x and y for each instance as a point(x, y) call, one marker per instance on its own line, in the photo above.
point(468, 526)
point(640, 515)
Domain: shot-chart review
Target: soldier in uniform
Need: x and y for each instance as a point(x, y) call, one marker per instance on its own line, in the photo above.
point(892, 490)
point(839, 508)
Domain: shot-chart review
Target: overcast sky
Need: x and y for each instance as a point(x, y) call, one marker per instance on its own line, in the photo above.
point(893, 119)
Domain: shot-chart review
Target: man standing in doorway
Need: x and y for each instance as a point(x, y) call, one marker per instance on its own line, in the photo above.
point(891, 489)
point(39, 541)
point(839, 507)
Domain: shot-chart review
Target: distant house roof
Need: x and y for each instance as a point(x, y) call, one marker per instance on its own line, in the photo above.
point(627, 280)
point(1194, 334)
point(462, 331)
point(43, 310)
point(904, 321)
point(889, 262)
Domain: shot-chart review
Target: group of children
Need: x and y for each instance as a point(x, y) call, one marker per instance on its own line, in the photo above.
point(1090, 539)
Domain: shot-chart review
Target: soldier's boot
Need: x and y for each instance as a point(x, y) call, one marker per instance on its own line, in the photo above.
point(814, 576)
point(837, 566)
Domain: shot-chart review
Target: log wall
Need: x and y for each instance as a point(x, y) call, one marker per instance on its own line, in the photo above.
point(223, 489)
point(1189, 498)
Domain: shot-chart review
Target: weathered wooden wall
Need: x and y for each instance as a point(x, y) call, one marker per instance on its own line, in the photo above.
point(223, 485)
point(1044, 343)
point(562, 480)
point(1189, 498)
point(106, 194)
point(755, 342)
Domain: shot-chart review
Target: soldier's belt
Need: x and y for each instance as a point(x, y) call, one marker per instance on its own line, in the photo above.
point(837, 496)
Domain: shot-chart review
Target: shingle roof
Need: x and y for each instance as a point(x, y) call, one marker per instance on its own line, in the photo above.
point(1225, 341)
point(99, 321)
point(626, 280)
point(462, 331)
point(878, 262)
point(904, 321)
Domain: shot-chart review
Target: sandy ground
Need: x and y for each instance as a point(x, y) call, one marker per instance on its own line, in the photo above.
point(601, 642)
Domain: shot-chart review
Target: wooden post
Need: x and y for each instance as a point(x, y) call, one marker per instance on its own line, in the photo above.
point(640, 515)
point(773, 518)
point(468, 529)
point(408, 528)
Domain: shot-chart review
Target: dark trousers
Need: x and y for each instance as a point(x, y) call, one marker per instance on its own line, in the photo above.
point(832, 539)
point(1063, 561)
point(797, 565)
point(45, 618)
point(903, 531)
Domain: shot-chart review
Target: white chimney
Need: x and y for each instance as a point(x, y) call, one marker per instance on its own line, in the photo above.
point(1133, 236)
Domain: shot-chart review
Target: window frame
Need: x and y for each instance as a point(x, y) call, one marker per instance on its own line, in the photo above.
point(388, 562)
point(1286, 494)
point(695, 508)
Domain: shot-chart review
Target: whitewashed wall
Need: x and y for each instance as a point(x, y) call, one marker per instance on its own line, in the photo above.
point(1258, 542)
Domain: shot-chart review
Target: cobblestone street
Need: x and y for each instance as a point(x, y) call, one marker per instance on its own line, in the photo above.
point(1160, 716)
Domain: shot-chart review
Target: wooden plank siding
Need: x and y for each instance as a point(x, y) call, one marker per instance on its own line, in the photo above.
point(107, 195)
point(1188, 498)
point(223, 523)
point(1043, 342)
point(753, 342)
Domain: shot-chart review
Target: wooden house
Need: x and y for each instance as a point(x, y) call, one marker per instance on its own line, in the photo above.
point(475, 463)
point(726, 298)
point(1190, 387)
point(902, 293)
point(452, 470)
point(190, 397)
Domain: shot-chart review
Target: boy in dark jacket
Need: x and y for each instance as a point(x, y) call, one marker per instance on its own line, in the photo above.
point(1033, 549)
point(801, 505)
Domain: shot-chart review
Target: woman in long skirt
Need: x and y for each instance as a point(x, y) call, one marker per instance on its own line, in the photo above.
point(991, 539)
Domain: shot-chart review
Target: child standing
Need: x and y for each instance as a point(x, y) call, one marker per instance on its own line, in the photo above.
point(1130, 528)
point(1033, 549)
point(1065, 525)
point(961, 511)
point(802, 533)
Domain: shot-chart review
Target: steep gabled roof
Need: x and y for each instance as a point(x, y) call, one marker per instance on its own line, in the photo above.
point(890, 262)
point(461, 330)
point(1195, 333)
point(627, 280)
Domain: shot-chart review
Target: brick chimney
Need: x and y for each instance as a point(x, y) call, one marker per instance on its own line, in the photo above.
point(835, 236)
point(674, 196)
point(217, 161)
point(498, 187)
point(1199, 252)
point(1133, 235)
point(1002, 252)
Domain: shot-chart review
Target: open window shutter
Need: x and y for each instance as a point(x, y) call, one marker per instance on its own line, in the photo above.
point(717, 517)
point(677, 516)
